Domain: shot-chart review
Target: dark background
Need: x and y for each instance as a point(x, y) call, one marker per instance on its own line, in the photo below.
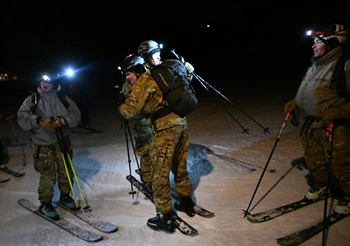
point(256, 43)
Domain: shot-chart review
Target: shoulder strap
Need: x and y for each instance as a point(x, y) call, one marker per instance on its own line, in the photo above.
point(35, 99)
point(63, 99)
point(339, 75)
point(36, 96)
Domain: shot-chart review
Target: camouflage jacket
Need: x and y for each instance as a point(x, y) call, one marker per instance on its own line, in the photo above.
point(146, 98)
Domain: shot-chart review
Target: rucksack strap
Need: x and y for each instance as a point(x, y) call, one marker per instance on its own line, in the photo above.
point(35, 99)
point(63, 99)
point(160, 113)
point(339, 76)
point(36, 96)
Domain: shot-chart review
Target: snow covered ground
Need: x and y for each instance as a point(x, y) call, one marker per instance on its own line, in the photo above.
point(224, 164)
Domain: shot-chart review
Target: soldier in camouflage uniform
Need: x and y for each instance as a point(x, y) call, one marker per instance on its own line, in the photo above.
point(318, 97)
point(170, 142)
point(43, 114)
point(131, 69)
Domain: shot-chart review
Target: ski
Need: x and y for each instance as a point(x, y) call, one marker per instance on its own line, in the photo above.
point(64, 224)
point(203, 212)
point(301, 236)
point(12, 172)
point(86, 216)
point(197, 209)
point(4, 180)
point(90, 129)
point(180, 224)
point(278, 211)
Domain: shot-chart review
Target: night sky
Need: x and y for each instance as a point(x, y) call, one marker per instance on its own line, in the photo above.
point(243, 38)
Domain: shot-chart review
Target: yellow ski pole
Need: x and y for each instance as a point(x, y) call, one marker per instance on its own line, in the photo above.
point(66, 154)
point(86, 206)
point(65, 166)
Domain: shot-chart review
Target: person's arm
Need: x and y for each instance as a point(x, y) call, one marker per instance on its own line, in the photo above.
point(25, 118)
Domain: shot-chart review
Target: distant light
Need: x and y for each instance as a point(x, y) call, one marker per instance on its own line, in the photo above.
point(69, 72)
point(161, 46)
point(205, 26)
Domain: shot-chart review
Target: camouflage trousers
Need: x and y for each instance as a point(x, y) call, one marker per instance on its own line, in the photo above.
point(48, 161)
point(169, 153)
point(316, 147)
point(143, 147)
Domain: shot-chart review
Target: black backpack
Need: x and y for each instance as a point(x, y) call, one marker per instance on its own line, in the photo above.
point(171, 77)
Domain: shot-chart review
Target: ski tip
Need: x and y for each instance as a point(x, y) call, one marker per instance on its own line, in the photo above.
point(109, 228)
point(5, 180)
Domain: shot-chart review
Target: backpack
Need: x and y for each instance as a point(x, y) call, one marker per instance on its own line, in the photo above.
point(339, 77)
point(36, 96)
point(171, 77)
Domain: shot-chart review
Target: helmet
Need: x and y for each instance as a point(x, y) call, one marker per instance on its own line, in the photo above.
point(148, 47)
point(133, 63)
point(48, 78)
point(336, 31)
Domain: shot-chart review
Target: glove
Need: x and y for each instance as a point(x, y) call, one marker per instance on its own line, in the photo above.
point(58, 122)
point(289, 106)
point(189, 67)
point(46, 123)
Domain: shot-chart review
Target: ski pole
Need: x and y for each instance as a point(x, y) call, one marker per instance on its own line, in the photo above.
point(86, 206)
point(245, 130)
point(267, 163)
point(329, 133)
point(126, 124)
point(132, 145)
point(266, 129)
point(59, 140)
point(202, 81)
point(14, 133)
point(16, 139)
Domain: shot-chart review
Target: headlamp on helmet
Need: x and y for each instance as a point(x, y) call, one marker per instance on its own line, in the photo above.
point(337, 31)
point(45, 78)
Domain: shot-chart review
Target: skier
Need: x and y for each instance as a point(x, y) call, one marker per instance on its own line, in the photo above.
point(132, 68)
point(50, 113)
point(170, 142)
point(318, 97)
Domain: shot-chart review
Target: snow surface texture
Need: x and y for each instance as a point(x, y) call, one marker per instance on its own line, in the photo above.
point(224, 164)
